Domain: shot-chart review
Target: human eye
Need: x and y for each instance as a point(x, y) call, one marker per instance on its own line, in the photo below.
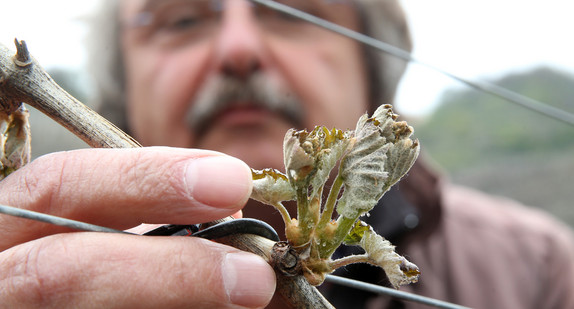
point(178, 22)
point(180, 19)
point(182, 22)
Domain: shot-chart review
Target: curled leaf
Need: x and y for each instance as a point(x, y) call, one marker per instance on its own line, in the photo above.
point(333, 143)
point(310, 156)
point(382, 253)
point(270, 186)
point(298, 155)
point(382, 152)
point(14, 141)
point(356, 234)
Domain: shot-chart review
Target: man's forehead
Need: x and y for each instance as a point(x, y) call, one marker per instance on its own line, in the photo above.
point(339, 11)
point(150, 4)
point(130, 7)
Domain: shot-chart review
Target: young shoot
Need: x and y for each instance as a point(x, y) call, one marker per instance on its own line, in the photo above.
point(370, 159)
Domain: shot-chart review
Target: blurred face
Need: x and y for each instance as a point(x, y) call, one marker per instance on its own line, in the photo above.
point(229, 76)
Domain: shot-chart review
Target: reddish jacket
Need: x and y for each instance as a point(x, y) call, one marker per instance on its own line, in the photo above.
point(472, 249)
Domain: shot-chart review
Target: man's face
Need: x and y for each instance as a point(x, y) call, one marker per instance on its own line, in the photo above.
point(233, 77)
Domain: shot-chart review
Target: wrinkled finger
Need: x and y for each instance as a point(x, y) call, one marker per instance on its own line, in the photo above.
point(121, 188)
point(94, 270)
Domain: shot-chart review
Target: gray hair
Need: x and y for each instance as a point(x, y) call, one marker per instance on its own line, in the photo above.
point(382, 19)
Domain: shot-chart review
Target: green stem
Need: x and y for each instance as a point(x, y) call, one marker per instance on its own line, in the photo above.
point(344, 226)
point(284, 213)
point(303, 217)
point(302, 205)
point(330, 203)
point(316, 201)
point(351, 259)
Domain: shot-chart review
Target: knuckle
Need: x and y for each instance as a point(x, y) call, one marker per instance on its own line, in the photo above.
point(35, 184)
point(35, 277)
point(209, 256)
point(34, 281)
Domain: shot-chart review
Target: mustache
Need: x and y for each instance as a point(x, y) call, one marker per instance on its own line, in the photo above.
point(223, 92)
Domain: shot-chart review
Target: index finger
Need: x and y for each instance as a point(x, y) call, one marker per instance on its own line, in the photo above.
point(121, 188)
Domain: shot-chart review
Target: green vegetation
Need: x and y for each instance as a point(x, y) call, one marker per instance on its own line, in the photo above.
point(502, 148)
point(470, 127)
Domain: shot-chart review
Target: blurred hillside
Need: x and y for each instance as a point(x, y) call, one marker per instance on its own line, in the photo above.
point(504, 149)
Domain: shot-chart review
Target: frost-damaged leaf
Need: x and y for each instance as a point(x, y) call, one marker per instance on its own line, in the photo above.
point(310, 156)
point(298, 155)
point(381, 154)
point(332, 145)
point(356, 234)
point(270, 186)
point(382, 253)
point(14, 141)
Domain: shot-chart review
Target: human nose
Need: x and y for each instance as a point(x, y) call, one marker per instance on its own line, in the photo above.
point(240, 47)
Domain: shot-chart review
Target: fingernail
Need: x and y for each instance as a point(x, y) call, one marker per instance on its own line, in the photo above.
point(248, 280)
point(219, 181)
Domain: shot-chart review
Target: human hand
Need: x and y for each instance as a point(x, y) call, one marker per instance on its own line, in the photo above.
point(42, 266)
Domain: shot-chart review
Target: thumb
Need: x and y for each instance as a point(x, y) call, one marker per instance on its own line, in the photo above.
point(96, 270)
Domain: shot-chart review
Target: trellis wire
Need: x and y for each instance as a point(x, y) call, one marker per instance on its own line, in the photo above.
point(37, 216)
point(377, 289)
point(508, 95)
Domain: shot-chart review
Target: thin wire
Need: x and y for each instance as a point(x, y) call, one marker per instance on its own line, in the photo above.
point(508, 95)
point(356, 284)
point(32, 215)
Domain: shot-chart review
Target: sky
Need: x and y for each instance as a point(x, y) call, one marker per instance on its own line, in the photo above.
point(480, 39)
point(474, 39)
